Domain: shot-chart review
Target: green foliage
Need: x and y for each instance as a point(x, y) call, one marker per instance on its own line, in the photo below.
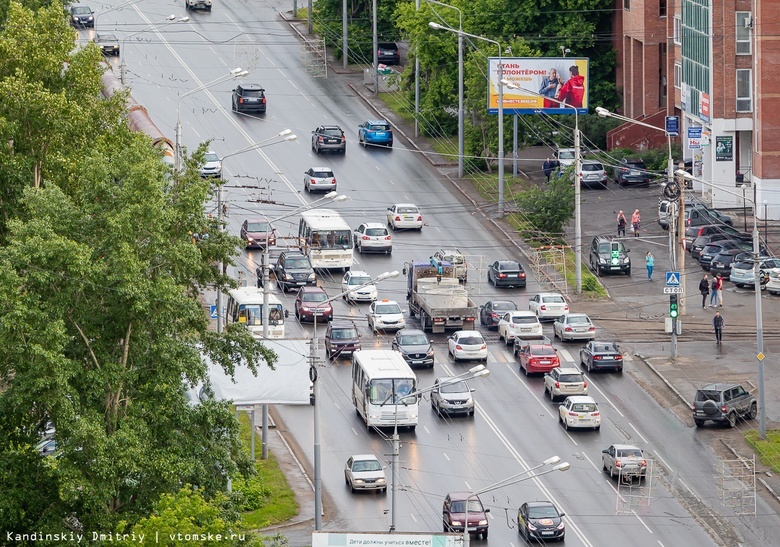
point(253, 492)
point(548, 209)
point(327, 22)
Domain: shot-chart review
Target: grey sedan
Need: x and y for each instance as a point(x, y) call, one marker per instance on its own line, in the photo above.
point(365, 472)
point(575, 326)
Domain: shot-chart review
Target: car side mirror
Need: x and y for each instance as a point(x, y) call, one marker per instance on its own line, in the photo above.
point(605, 451)
point(405, 271)
point(487, 510)
point(360, 335)
point(286, 313)
point(403, 311)
point(563, 514)
point(628, 251)
point(473, 389)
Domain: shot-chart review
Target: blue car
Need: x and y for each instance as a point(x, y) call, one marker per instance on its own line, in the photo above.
point(376, 132)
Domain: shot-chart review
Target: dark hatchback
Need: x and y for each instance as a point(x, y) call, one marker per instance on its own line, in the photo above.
point(341, 338)
point(702, 241)
point(721, 263)
point(710, 251)
point(633, 172)
point(692, 232)
point(492, 311)
point(82, 16)
point(540, 520)
point(506, 273)
point(388, 53)
point(328, 138)
point(414, 347)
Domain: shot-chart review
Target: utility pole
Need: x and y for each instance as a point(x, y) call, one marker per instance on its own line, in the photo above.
point(345, 36)
point(220, 219)
point(313, 376)
point(681, 238)
point(375, 42)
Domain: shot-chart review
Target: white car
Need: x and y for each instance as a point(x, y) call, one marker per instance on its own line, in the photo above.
point(548, 305)
point(773, 286)
point(319, 179)
point(467, 344)
point(564, 381)
point(212, 166)
point(365, 472)
point(373, 237)
point(521, 324)
point(386, 315)
point(579, 411)
point(574, 326)
point(198, 4)
point(404, 215)
point(353, 279)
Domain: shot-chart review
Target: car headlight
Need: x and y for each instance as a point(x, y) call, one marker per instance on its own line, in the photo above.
point(602, 260)
point(381, 481)
point(89, 18)
point(483, 522)
point(561, 526)
point(626, 260)
point(455, 523)
point(430, 353)
point(358, 481)
point(312, 277)
point(531, 527)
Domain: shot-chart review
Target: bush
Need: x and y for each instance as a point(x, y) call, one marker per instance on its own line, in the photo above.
point(254, 493)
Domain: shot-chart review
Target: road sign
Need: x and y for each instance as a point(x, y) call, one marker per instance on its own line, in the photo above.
point(213, 312)
point(672, 279)
point(673, 290)
point(673, 126)
point(694, 138)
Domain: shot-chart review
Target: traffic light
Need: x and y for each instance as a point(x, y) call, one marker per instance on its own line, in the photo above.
point(673, 312)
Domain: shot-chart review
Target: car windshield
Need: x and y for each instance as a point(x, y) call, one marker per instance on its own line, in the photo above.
point(475, 506)
point(249, 314)
point(504, 306)
point(584, 407)
point(408, 210)
point(331, 239)
point(471, 340)
point(379, 127)
point(347, 333)
point(366, 465)
point(629, 453)
point(708, 395)
point(606, 349)
point(297, 264)
point(322, 174)
point(570, 378)
point(592, 167)
point(388, 308)
point(333, 132)
point(359, 280)
point(376, 232)
point(579, 319)
point(257, 227)
point(211, 156)
point(566, 154)
point(553, 300)
point(314, 297)
point(252, 93)
point(455, 387)
point(543, 350)
point(413, 340)
point(383, 389)
point(542, 512)
point(106, 38)
point(81, 10)
point(524, 319)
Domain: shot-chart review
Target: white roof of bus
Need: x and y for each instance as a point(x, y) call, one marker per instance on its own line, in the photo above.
point(325, 219)
point(252, 295)
point(383, 363)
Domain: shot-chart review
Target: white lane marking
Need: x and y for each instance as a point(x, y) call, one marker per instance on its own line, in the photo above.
point(566, 355)
point(446, 456)
point(195, 131)
point(669, 467)
point(659, 543)
point(468, 486)
point(643, 522)
point(292, 84)
point(596, 467)
point(336, 405)
point(604, 395)
point(391, 182)
point(528, 388)
point(414, 519)
point(638, 433)
point(426, 429)
point(436, 228)
point(377, 168)
point(355, 432)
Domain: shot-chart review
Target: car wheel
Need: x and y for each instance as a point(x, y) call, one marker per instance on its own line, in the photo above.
point(597, 428)
point(297, 314)
point(612, 472)
point(499, 335)
point(484, 534)
point(740, 285)
point(732, 419)
point(699, 423)
point(232, 104)
point(360, 249)
point(352, 488)
point(753, 412)
point(628, 272)
point(565, 425)
point(560, 420)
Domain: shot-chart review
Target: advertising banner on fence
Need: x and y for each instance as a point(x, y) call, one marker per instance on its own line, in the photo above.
point(546, 82)
point(379, 539)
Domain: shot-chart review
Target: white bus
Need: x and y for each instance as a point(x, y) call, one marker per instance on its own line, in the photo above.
point(245, 306)
point(326, 239)
point(380, 379)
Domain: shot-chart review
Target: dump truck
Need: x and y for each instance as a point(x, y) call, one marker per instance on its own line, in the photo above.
point(437, 297)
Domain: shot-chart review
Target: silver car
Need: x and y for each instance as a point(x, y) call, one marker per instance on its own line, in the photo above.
point(212, 166)
point(575, 326)
point(562, 382)
point(624, 460)
point(742, 272)
point(365, 472)
point(452, 397)
point(593, 174)
point(548, 305)
point(319, 179)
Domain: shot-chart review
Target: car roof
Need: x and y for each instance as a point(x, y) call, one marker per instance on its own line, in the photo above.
point(292, 254)
point(569, 370)
point(312, 289)
point(591, 162)
point(450, 379)
point(581, 399)
point(341, 323)
point(373, 225)
point(549, 294)
point(332, 127)
point(507, 262)
point(469, 333)
point(578, 315)
point(251, 87)
point(521, 313)
point(718, 387)
point(412, 331)
point(372, 122)
point(364, 457)
point(321, 168)
point(405, 204)
point(354, 273)
point(626, 446)
point(385, 301)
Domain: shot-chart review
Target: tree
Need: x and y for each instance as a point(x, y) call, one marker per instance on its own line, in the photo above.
point(547, 210)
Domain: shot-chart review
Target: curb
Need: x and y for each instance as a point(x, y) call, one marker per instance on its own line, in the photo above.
point(663, 379)
point(762, 481)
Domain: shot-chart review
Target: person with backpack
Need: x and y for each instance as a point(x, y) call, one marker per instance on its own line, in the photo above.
point(704, 289)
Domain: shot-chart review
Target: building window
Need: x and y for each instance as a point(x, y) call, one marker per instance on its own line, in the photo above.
point(677, 75)
point(627, 4)
point(678, 30)
point(662, 8)
point(744, 89)
point(744, 30)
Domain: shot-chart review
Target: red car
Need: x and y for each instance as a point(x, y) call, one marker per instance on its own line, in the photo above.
point(255, 231)
point(538, 358)
point(311, 301)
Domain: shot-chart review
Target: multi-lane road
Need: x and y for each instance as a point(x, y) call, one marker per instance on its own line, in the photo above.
point(515, 427)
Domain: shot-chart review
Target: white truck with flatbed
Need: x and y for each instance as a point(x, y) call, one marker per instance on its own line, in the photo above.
point(437, 297)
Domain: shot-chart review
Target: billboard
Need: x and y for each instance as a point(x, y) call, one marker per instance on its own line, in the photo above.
point(544, 80)
point(383, 539)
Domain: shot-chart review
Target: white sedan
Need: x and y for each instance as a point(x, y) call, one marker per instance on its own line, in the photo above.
point(365, 472)
point(579, 411)
point(404, 215)
point(574, 326)
point(548, 305)
point(385, 315)
point(467, 344)
point(520, 324)
point(360, 286)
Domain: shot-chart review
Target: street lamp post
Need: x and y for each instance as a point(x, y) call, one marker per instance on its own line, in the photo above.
point(577, 183)
point(460, 33)
point(757, 288)
point(744, 206)
point(514, 479)
point(479, 371)
point(313, 376)
point(122, 67)
point(235, 73)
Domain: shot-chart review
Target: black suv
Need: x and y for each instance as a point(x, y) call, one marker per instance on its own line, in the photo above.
point(608, 255)
point(388, 53)
point(341, 337)
point(82, 16)
point(632, 171)
point(294, 270)
point(723, 403)
point(249, 98)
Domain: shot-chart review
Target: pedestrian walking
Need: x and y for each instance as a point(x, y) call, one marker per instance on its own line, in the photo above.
point(621, 222)
point(717, 326)
point(714, 292)
point(704, 289)
point(635, 222)
point(720, 290)
point(650, 263)
point(547, 167)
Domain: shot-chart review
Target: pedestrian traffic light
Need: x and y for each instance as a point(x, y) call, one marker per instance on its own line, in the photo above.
point(673, 312)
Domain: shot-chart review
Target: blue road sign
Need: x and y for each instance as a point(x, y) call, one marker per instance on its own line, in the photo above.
point(673, 126)
point(213, 311)
point(672, 279)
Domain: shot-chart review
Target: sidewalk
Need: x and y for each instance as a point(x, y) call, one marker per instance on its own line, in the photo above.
point(672, 382)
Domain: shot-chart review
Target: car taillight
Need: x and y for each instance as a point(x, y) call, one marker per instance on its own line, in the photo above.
point(522, 275)
point(584, 384)
point(458, 346)
point(594, 413)
point(501, 276)
point(558, 384)
point(388, 238)
point(618, 357)
point(724, 409)
point(397, 218)
point(543, 307)
point(618, 463)
point(241, 100)
point(419, 218)
point(493, 315)
point(263, 100)
point(333, 181)
point(484, 346)
point(591, 329)
point(365, 238)
point(343, 138)
point(566, 308)
point(313, 181)
point(568, 329)
point(644, 463)
point(597, 357)
point(572, 413)
point(320, 138)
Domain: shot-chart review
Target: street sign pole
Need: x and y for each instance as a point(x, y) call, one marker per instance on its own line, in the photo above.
point(674, 338)
point(675, 289)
